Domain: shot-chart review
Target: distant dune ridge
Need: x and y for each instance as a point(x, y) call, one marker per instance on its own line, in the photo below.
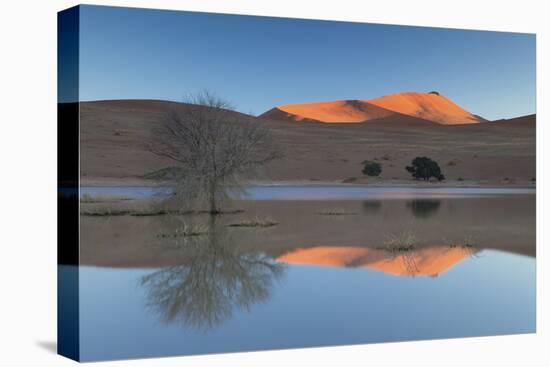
point(115, 137)
point(431, 106)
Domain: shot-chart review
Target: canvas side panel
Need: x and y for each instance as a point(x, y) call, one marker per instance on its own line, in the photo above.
point(68, 180)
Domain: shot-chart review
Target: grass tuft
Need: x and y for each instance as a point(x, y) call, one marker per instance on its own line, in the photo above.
point(335, 211)
point(187, 230)
point(255, 222)
point(89, 199)
point(349, 180)
point(402, 242)
point(105, 212)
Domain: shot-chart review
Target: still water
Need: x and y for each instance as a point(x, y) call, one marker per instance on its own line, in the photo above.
point(312, 280)
point(319, 192)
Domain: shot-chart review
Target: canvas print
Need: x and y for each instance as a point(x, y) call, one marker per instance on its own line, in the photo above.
point(234, 183)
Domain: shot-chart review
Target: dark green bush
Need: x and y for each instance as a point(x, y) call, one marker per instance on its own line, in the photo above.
point(371, 168)
point(423, 168)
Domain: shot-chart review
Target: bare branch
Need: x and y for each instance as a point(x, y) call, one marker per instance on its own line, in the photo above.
point(215, 145)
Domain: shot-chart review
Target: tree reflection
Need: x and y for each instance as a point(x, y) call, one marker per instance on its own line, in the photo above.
point(217, 278)
point(372, 206)
point(424, 208)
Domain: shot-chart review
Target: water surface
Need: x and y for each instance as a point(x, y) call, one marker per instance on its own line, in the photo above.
point(398, 264)
point(320, 192)
point(491, 294)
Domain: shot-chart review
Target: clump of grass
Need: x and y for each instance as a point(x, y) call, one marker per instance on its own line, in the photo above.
point(453, 162)
point(166, 173)
point(151, 213)
point(219, 212)
point(105, 212)
point(255, 222)
point(335, 211)
point(187, 230)
point(349, 180)
point(89, 199)
point(402, 242)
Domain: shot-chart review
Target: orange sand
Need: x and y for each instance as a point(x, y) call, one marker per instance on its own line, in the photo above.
point(426, 106)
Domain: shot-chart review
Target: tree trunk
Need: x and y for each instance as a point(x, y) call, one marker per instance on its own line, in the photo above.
point(212, 198)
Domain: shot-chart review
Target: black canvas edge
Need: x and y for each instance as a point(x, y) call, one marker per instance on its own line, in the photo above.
point(68, 233)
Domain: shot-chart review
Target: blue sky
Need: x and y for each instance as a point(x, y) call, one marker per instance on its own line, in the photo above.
point(260, 62)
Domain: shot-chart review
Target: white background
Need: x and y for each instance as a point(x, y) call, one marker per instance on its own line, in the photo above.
point(28, 182)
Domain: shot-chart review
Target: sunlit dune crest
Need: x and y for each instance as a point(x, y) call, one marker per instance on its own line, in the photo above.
point(427, 106)
point(427, 261)
point(335, 112)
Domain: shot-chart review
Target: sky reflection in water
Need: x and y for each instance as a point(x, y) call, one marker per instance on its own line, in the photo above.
point(137, 312)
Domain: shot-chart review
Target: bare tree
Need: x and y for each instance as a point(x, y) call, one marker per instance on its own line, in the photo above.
point(214, 145)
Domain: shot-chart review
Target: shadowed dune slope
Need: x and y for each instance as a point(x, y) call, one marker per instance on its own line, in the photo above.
point(426, 106)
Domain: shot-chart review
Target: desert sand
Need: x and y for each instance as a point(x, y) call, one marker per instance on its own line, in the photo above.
point(115, 137)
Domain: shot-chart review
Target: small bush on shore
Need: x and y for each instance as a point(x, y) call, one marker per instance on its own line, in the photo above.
point(371, 168)
point(425, 168)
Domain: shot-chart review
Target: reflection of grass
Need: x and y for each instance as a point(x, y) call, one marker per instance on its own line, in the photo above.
point(255, 222)
point(150, 213)
point(402, 242)
point(187, 230)
point(335, 211)
point(106, 212)
point(89, 199)
point(467, 245)
point(109, 211)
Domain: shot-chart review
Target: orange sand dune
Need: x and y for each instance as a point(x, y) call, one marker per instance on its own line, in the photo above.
point(427, 106)
point(334, 112)
point(428, 261)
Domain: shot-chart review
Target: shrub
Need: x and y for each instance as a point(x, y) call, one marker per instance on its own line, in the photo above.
point(424, 168)
point(371, 168)
point(349, 180)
